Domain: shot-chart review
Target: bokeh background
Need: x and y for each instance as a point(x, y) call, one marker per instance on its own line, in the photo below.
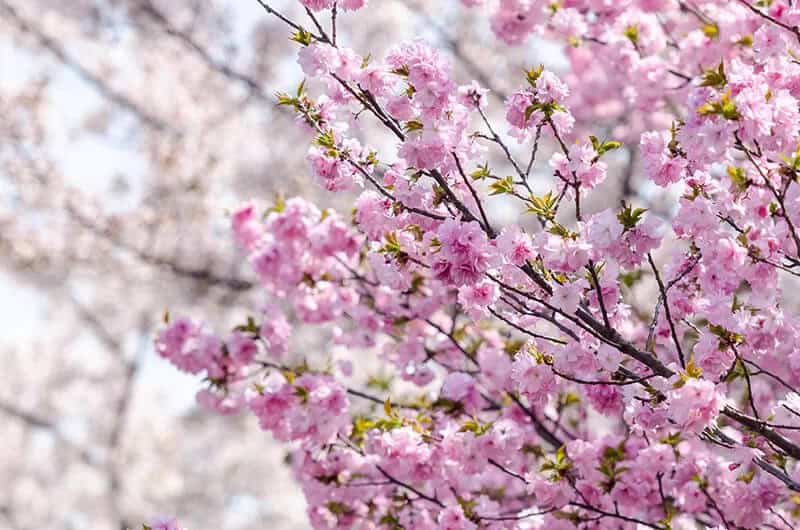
point(128, 130)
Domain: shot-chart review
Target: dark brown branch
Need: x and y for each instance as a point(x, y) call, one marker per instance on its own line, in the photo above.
point(663, 289)
point(410, 488)
point(541, 430)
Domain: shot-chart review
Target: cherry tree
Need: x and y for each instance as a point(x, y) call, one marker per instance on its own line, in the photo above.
point(588, 364)
point(549, 354)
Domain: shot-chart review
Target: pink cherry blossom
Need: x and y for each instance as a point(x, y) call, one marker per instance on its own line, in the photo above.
point(603, 335)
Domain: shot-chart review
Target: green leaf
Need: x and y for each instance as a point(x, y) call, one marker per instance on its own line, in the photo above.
point(544, 206)
point(793, 162)
point(250, 327)
point(673, 146)
point(278, 207)
point(390, 520)
point(513, 346)
point(701, 481)
point(561, 454)
point(417, 230)
point(326, 139)
point(608, 465)
point(285, 99)
point(401, 71)
point(567, 399)
point(530, 110)
point(302, 36)
point(574, 517)
point(392, 245)
point(711, 30)
point(746, 41)
point(532, 74)
point(603, 147)
point(631, 278)
point(673, 439)
point(560, 230)
point(629, 217)
point(468, 507)
point(502, 186)
point(399, 322)
point(739, 178)
point(413, 125)
point(715, 78)
point(737, 371)
point(632, 33)
point(379, 383)
point(692, 370)
point(726, 336)
point(559, 466)
point(475, 427)
point(725, 107)
point(338, 508)
point(481, 173)
point(548, 109)
point(302, 393)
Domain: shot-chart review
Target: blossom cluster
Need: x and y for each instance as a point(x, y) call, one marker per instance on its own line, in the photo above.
point(607, 369)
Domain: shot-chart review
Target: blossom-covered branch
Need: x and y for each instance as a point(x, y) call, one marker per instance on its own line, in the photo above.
point(598, 371)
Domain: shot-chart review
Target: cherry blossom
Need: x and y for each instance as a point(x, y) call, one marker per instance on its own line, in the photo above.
point(593, 364)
